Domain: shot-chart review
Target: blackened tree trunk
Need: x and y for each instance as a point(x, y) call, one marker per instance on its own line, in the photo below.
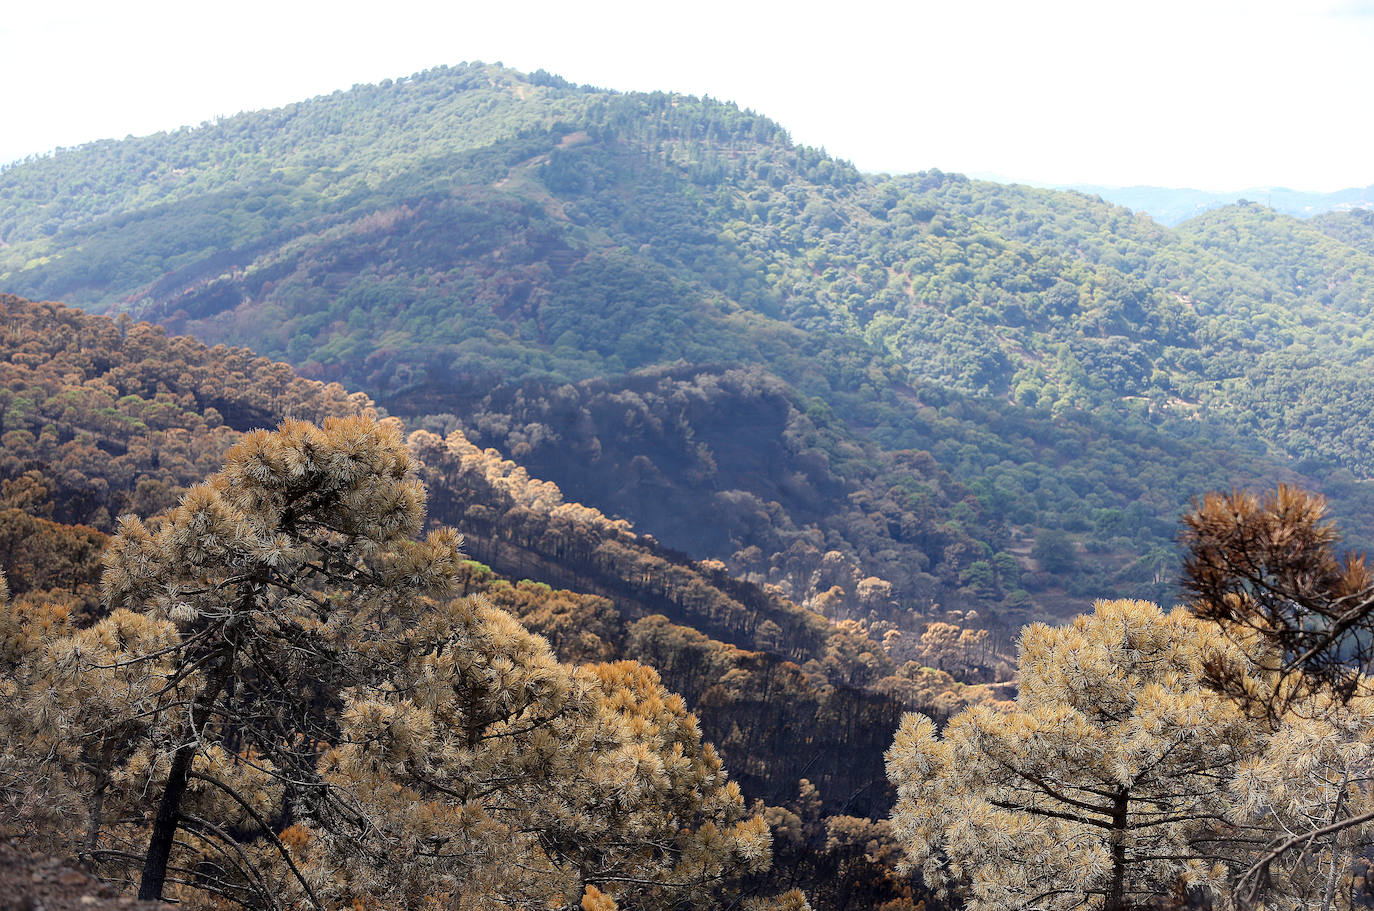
point(169, 808)
point(1116, 893)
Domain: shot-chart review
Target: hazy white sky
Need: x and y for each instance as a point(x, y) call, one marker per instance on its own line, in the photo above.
point(1211, 94)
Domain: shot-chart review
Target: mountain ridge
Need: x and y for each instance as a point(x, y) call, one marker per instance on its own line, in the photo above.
point(1174, 205)
point(468, 242)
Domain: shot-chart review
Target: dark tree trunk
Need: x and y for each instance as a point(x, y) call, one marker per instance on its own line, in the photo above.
point(169, 808)
point(1116, 893)
point(96, 812)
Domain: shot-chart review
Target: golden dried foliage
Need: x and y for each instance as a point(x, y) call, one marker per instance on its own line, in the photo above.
point(288, 700)
point(596, 900)
point(111, 416)
point(1311, 791)
point(791, 900)
point(1102, 786)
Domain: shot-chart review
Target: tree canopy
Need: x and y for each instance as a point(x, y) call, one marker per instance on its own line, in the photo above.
point(287, 704)
point(1105, 785)
point(472, 240)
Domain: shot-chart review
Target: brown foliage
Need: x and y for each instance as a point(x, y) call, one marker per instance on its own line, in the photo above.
point(1268, 566)
point(42, 555)
point(286, 708)
point(112, 416)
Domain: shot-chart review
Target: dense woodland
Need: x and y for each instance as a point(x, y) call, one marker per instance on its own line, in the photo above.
point(800, 708)
point(933, 376)
point(282, 697)
point(689, 468)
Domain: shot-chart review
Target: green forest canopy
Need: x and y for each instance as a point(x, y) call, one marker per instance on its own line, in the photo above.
point(465, 243)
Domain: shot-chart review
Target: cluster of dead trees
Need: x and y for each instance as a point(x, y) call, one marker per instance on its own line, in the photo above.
point(288, 705)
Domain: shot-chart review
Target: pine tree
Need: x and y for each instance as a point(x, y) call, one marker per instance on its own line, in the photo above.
point(285, 707)
point(1103, 787)
point(289, 576)
point(1268, 567)
point(1311, 792)
point(1268, 571)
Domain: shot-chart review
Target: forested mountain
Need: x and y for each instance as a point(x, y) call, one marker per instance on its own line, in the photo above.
point(751, 455)
point(1356, 229)
point(877, 393)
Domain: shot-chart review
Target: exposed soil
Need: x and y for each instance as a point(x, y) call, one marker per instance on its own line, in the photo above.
point(38, 883)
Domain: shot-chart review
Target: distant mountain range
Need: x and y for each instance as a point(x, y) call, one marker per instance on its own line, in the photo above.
point(877, 394)
point(1171, 206)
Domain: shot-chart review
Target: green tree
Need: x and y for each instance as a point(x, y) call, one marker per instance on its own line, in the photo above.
point(1054, 551)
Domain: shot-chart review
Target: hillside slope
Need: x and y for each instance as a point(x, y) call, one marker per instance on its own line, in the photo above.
point(103, 417)
point(923, 380)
